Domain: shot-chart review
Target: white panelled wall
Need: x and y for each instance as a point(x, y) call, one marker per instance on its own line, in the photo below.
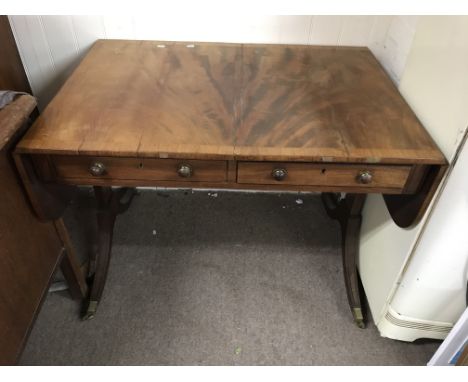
point(51, 46)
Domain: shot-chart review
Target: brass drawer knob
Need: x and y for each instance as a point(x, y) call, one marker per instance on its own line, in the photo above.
point(97, 169)
point(364, 177)
point(279, 174)
point(185, 170)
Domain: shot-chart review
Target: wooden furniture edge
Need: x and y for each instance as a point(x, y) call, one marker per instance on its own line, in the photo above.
point(48, 200)
point(14, 117)
point(13, 123)
point(69, 265)
point(407, 210)
point(39, 305)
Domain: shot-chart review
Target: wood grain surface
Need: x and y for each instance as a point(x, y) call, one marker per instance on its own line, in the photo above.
point(29, 254)
point(140, 168)
point(231, 101)
point(132, 98)
point(14, 117)
point(29, 250)
point(303, 174)
point(326, 104)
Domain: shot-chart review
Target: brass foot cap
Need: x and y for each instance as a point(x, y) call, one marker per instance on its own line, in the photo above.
point(91, 311)
point(359, 318)
point(360, 324)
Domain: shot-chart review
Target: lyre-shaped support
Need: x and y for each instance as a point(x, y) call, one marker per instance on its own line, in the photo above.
point(110, 203)
point(348, 212)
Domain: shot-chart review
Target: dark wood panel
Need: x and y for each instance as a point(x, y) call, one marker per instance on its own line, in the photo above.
point(139, 169)
point(407, 210)
point(29, 250)
point(29, 254)
point(143, 171)
point(12, 75)
point(27, 263)
point(303, 174)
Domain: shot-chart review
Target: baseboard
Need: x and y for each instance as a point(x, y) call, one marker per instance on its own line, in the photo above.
point(403, 328)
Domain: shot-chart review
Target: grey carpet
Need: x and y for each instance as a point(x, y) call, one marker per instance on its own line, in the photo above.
point(215, 279)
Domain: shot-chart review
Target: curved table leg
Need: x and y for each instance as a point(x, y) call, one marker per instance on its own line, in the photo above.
point(348, 212)
point(110, 203)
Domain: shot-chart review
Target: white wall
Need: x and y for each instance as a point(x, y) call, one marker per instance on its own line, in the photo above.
point(435, 84)
point(51, 46)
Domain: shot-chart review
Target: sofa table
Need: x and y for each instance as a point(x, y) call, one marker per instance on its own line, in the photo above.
point(230, 116)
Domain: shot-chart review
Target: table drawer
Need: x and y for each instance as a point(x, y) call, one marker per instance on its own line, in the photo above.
point(76, 167)
point(314, 174)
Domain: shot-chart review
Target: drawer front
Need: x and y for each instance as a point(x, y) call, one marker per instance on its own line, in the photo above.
point(332, 175)
point(76, 167)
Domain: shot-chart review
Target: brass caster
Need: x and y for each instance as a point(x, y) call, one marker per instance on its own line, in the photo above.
point(360, 324)
point(91, 311)
point(358, 318)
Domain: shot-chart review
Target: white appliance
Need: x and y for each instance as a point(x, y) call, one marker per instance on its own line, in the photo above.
point(415, 279)
point(431, 293)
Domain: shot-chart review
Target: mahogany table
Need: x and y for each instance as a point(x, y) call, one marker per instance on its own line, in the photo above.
point(230, 116)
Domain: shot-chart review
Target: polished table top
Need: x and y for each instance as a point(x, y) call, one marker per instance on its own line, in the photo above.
point(233, 102)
